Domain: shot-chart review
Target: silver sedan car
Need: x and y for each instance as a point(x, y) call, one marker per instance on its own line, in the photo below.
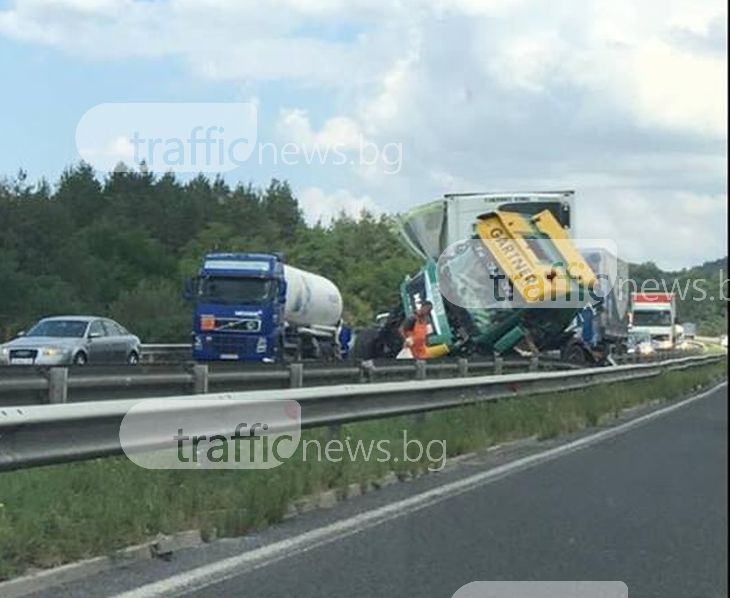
point(77, 340)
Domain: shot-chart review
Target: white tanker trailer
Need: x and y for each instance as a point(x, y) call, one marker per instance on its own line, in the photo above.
point(253, 307)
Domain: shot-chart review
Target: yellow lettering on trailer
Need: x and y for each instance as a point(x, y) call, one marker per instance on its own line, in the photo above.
point(504, 235)
point(511, 257)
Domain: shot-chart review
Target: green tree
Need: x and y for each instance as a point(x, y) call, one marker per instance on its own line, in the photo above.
point(155, 311)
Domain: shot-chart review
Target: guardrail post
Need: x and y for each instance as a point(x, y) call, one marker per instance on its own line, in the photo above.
point(463, 367)
point(296, 375)
point(367, 371)
point(420, 369)
point(58, 385)
point(534, 364)
point(200, 378)
point(498, 365)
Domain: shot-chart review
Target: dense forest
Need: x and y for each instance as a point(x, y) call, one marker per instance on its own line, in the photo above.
point(122, 247)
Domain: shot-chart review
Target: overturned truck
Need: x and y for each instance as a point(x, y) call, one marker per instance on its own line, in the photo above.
point(502, 274)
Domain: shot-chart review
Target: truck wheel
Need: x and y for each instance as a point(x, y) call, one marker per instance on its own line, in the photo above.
point(292, 352)
point(575, 355)
point(365, 341)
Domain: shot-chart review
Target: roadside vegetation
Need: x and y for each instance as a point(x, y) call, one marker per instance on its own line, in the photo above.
point(121, 247)
point(57, 514)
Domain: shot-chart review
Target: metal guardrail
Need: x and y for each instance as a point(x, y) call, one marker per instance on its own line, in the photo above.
point(178, 352)
point(155, 353)
point(47, 434)
point(23, 385)
point(27, 385)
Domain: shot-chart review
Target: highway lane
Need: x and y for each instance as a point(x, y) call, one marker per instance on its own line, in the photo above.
point(647, 507)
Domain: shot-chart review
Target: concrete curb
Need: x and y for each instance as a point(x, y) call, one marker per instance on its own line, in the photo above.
point(161, 547)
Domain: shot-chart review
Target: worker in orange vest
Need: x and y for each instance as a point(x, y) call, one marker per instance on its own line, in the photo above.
point(415, 331)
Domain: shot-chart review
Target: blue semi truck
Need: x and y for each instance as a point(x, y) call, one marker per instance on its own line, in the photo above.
point(255, 307)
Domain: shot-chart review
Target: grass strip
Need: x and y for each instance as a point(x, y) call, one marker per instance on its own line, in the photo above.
point(62, 513)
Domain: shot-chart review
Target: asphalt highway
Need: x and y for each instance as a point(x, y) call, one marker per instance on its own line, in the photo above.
point(646, 506)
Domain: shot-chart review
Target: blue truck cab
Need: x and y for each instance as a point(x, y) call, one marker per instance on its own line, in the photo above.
point(239, 301)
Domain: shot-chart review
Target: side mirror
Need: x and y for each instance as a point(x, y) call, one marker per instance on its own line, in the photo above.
point(21, 333)
point(93, 335)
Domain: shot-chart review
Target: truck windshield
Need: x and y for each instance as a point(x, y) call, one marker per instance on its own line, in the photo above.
point(653, 318)
point(234, 291)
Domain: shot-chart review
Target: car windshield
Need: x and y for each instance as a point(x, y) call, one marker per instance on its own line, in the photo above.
point(59, 328)
point(653, 318)
point(234, 291)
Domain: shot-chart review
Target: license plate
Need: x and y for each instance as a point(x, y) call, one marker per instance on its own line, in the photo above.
point(21, 361)
point(229, 356)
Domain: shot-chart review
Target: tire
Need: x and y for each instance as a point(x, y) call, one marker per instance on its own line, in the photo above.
point(365, 344)
point(292, 354)
point(80, 358)
point(574, 354)
point(133, 358)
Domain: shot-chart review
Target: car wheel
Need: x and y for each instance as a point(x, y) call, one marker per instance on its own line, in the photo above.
point(133, 358)
point(80, 359)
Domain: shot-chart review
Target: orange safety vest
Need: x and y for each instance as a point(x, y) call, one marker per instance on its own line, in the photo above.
point(418, 335)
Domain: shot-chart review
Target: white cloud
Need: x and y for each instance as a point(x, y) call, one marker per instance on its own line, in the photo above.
point(528, 62)
point(680, 89)
point(672, 229)
point(624, 101)
point(321, 206)
point(219, 39)
point(338, 132)
point(619, 49)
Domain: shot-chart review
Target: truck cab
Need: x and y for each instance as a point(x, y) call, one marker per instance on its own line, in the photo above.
point(239, 303)
point(655, 314)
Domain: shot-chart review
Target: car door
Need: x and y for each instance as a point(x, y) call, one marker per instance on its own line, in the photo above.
point(101, 345)
point(118, 341)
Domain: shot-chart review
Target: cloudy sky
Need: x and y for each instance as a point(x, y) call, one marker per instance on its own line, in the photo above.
point(624, 101)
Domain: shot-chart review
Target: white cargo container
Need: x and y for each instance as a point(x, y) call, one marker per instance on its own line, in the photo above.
point(431, 228)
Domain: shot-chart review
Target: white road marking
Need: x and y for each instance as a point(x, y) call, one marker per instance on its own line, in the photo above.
point(230, 567)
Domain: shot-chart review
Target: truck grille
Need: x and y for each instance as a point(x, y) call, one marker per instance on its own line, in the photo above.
point(235, 344)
